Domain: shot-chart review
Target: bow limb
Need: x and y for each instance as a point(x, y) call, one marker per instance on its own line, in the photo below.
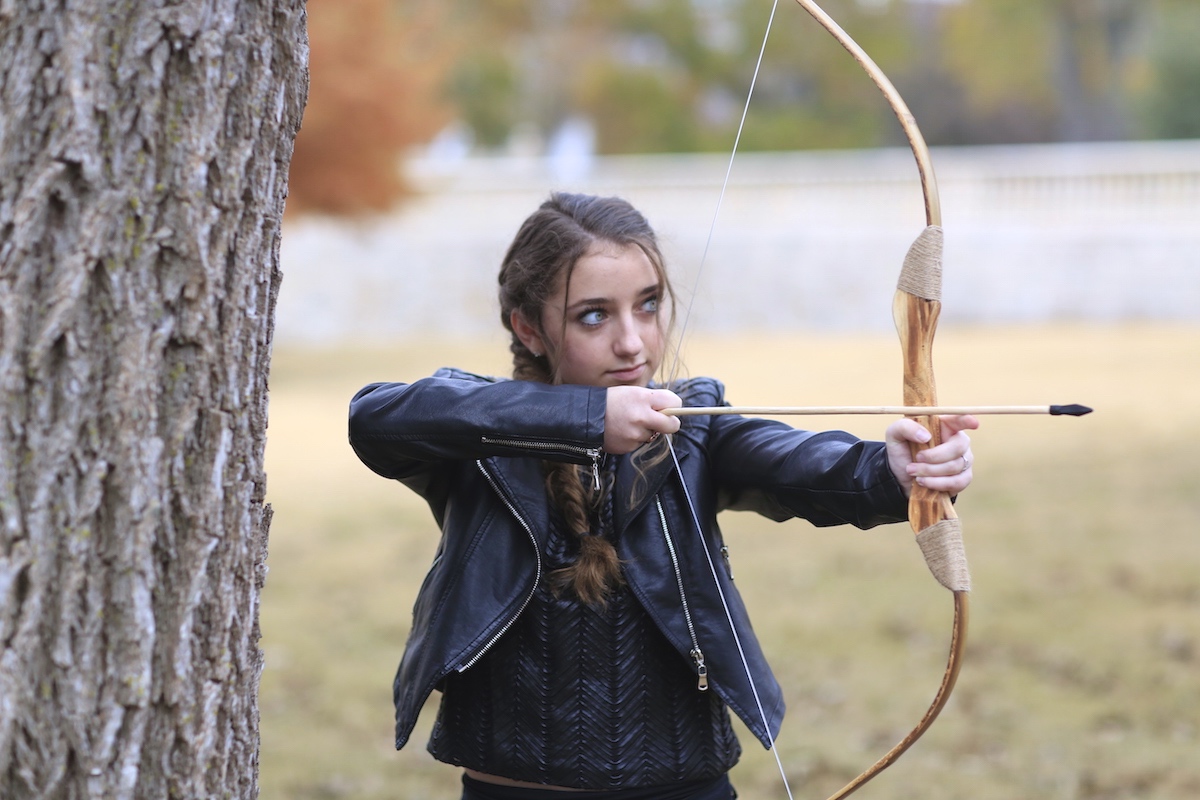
point(915, 309)
point(933, 208)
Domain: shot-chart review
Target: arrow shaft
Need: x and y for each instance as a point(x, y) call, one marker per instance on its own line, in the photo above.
point(895, 411)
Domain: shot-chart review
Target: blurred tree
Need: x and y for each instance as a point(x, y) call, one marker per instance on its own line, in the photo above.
point(485, 86)
point(377, 69)
point(672, 75)
point(1171, 108)
point(1013, 71)
point(810, 94)
point(637, 110)
point(641, 90)
point(669, 75)
point(506, 76)
point(989, 75)
point(1095, 45)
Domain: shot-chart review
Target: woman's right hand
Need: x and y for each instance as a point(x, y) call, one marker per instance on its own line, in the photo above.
point(633, 417)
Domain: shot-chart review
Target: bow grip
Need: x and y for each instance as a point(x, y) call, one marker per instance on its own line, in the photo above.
point(915, 309)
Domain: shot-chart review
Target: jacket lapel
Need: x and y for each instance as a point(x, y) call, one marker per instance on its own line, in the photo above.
point(624, 512)
point(521, 482)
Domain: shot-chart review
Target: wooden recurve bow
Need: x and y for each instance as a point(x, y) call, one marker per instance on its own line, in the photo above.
point(915, 309)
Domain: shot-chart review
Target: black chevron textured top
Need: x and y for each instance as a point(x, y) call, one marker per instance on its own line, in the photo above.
point(583, 697)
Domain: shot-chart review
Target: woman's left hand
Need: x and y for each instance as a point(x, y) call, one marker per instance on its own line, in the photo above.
point(945, 468)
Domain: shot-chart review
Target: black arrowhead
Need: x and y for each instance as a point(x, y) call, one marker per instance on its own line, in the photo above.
point(1073, 410)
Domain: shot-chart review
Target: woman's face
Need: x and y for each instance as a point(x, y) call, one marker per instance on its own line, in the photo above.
point(607, 332)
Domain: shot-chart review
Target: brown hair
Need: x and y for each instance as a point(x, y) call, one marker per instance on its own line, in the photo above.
point(543, 253)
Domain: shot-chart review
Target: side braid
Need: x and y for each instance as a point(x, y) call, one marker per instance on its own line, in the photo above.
point(541, 257)
point(597, 568)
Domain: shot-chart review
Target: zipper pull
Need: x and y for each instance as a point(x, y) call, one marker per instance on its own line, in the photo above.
point(701, 669)
point(595, 454)
point(728, 563)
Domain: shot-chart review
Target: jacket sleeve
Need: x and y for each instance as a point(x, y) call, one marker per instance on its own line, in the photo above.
point(827, 478)
point(400, 429)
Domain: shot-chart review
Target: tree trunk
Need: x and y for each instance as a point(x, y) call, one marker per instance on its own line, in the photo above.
point(144, 150)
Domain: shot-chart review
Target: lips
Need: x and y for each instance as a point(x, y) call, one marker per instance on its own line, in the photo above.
point(628, 374)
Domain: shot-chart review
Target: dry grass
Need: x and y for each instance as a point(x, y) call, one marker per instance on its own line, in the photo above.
point(1082, 678)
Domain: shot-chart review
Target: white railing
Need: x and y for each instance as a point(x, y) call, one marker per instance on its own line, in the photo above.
point(1101, 232)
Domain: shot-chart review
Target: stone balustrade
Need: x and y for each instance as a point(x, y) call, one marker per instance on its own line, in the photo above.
point(805, 240)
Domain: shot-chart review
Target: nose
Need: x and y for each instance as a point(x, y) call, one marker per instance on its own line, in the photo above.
point(629, 341)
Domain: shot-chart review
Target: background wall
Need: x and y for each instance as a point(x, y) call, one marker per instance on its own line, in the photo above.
point(804, 241)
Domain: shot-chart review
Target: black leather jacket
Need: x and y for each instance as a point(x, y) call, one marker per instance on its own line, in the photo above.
point(472, 447)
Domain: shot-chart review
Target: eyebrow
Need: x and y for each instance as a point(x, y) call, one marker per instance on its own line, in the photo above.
point(654, 288)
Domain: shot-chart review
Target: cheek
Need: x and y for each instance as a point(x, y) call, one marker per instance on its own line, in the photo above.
point(577, 357)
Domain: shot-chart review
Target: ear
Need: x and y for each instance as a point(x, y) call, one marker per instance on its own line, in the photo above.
point(528, 334)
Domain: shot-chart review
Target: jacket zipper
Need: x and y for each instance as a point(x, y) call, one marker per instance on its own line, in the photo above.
point(537, 578)
point(594, 453)
point(697, 654)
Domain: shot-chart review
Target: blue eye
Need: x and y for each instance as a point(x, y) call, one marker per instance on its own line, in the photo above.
point(650, 305)
point(593, 316)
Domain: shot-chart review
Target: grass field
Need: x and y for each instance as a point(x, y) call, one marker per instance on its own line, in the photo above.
point(1082, 676)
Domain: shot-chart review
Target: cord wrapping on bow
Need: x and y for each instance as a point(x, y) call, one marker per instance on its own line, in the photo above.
point(942, 546)
point(921, 275)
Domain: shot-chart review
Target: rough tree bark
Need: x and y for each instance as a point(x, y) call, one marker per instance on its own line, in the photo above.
point(144, 151)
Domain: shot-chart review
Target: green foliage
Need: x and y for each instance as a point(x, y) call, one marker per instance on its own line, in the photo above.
point(673, 75)
point(636, 111)
point(1172, 107)
point(995, 65)
point(800, 127)
point(485, 88)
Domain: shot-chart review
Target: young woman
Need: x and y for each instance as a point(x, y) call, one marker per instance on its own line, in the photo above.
point(574, 619)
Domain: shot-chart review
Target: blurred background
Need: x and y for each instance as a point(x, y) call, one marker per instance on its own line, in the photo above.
point(567, 78)
point(1066, 138)
point(1065, 135)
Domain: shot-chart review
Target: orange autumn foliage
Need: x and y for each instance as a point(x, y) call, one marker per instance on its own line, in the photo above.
point(376, 70)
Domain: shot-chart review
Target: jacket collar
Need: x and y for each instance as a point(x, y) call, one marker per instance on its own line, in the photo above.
point(650, 483)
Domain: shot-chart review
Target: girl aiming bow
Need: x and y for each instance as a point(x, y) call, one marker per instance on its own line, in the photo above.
point(572, 621)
